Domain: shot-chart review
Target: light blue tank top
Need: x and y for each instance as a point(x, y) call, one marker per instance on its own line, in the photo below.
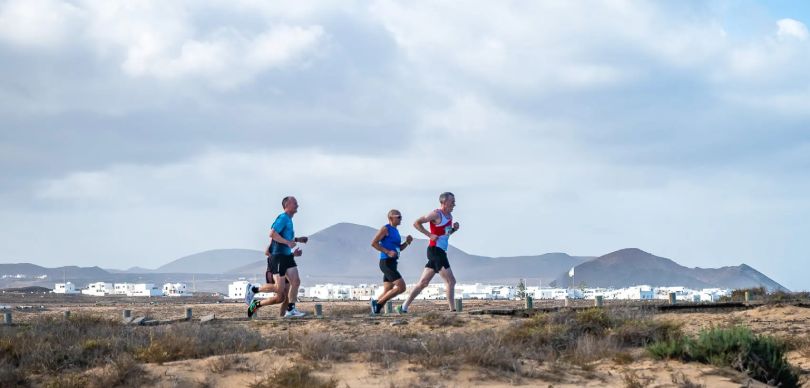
point(390, 242)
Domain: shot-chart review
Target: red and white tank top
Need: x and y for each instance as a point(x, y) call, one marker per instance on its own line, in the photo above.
point(443, 230)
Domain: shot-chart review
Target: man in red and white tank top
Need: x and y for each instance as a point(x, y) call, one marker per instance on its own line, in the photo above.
point(441, 227)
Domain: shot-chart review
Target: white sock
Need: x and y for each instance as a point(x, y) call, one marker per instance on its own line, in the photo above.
point(405, 306)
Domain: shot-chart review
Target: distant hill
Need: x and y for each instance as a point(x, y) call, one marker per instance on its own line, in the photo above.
point(27, 290)
point(54, 274)
point(628, 267)
point(216, 261)
point(343, 252)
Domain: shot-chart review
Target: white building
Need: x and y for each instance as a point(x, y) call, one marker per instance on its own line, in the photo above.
point(642, 292)
point(176, 289)
point(365, 292)
point(65, 288)
point(145, 289)
point(558, 293)
point(123, 288)
point(98, 289)
point(330, 291)
point(236, 290)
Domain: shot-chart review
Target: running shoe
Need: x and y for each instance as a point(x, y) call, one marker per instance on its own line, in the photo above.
point(294, 313)
point(249, 294)
point(373, 307)
point(254, 305)
point(401, 310)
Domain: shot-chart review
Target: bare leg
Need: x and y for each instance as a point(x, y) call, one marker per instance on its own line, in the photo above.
point(450, 282)
point(424, 281)
point(286, 302)
point(392, 290)
point(295, 283)
point(281, 284)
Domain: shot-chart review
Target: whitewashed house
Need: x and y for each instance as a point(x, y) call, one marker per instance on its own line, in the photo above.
point(65, 288)
point(474, 291)
point(145, 289)
point(123, 288)
point(331, 291)
point(364, 292)
point(642, 292)
point(176, 289)
point(236, 290)
point(98, 289)
point(558, 293)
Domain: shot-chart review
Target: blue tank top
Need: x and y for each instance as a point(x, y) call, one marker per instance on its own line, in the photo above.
point(390, 242)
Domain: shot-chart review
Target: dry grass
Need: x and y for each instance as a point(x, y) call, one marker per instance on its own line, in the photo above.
point(683, 381)
point(434, 319)
point(219, 365)
point(53, 347)
point(296, 376)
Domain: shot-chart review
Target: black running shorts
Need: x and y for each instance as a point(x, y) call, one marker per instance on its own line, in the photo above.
point(437, 259)
point(389, 269)
point(279, 264)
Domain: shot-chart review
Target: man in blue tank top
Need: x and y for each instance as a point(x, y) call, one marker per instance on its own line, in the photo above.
point(281, 264)
point(389, 243)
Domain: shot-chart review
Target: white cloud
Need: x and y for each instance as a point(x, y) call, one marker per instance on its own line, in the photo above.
point(791, 29)
point(38, 23)
point(227, 58)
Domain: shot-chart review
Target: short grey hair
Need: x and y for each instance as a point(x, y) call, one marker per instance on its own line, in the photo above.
point(443, 196)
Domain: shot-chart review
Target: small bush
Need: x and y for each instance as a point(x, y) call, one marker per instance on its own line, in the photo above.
point(761, 357)
point(435, 319)
point(221, 364)
point(682, 381)
point(297, 376)
point(323, 347)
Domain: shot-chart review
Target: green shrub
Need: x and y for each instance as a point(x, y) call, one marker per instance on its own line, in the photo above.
point(761, 357)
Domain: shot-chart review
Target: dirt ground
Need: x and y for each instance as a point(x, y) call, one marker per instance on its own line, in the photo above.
point(350, 319)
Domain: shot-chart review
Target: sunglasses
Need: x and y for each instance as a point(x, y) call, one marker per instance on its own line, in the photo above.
point(400, 217)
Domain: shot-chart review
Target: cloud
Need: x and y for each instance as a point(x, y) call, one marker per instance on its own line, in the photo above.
point(38, 23)
point(791, 29)
point(586, 128)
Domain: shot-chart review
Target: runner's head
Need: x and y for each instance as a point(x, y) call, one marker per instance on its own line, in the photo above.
point(447, 201)
point(394, 217)
point(290, 205)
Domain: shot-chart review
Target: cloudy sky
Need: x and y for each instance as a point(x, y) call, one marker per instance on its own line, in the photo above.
point(136, 132)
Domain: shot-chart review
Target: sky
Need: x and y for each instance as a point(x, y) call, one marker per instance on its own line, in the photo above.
point(137, 132)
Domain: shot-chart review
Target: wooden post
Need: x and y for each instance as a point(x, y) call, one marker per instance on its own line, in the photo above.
point(747, 297)
point(127, 314)
point(598, 301)
point(458, 305)
point(318, 311)
point(672, 298)
point(188, 313)
point(7, 318)
point(529, 302)
point(567, 302)
point(389, 307)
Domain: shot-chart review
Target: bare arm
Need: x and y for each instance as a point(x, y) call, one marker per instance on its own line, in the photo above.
point(407, 242)
point(281, 240)
point(419, 224)
point(381, 234)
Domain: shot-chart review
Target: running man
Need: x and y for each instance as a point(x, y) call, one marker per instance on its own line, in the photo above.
point(389, 243)
point(441, 227)
point(282, 262)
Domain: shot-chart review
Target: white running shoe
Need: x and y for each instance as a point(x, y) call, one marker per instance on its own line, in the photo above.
point(294, 313)
point(249, 294)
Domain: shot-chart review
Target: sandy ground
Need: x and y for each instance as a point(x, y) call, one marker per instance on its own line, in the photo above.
point(350, 319)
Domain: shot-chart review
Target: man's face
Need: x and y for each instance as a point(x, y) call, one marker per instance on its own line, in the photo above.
point(292, 205)
point(450, 203)
point(395, 219)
